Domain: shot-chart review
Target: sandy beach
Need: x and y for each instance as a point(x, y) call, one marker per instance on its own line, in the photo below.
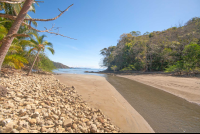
point(186, 88)
point(99, 93)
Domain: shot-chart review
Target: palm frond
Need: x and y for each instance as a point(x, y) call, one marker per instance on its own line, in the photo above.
point(15, 61)
point(46, 43)
point(31, 50)
point(3, 30)
point(41, 38)
point(51, 50)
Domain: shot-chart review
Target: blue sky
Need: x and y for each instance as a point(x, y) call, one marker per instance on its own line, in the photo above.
point(97, 24)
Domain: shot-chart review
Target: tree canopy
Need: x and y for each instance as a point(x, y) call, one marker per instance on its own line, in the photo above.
point(173, 50)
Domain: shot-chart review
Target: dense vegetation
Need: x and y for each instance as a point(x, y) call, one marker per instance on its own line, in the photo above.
point(60, 65)
point(20, 43)
point(23, 49)
point(176, 49)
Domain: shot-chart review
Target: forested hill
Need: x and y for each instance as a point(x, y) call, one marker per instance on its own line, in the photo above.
point(176, 49)
point(59, 65)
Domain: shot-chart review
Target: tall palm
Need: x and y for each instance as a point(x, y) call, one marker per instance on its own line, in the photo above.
point(39, 45)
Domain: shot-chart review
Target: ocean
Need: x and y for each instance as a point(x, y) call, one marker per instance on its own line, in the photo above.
point(79, 71)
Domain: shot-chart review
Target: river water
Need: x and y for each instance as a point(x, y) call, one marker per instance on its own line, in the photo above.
point(163, 111)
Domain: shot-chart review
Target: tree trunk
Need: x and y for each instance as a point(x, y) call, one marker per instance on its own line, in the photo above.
point(150, 63)
point(33, 64)
point(13, 30)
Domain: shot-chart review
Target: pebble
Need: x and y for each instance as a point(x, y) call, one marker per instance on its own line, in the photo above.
point(41, 104)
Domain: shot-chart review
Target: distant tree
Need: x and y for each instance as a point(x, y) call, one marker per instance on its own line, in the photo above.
point(135, 33)
point(147, 33)
point(114, 67)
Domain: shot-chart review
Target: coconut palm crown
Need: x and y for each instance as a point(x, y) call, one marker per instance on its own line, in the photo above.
point(38, 44)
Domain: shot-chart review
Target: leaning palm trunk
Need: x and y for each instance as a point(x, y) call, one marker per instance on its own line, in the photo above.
point(13, 30)
point(33, 64)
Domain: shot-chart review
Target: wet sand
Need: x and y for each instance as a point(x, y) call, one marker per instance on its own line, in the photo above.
point(186, 88)
point(99, 93)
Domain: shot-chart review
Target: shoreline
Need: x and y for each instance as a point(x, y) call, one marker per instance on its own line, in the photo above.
point(99, 93)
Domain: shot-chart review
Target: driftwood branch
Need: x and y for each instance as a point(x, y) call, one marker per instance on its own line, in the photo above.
point(12, 17)
point(16, 1)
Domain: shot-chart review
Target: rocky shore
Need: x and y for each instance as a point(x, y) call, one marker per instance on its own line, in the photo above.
point(41, 104)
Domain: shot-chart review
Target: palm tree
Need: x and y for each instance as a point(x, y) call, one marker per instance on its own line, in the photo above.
point(39, 44)
point(14, 29)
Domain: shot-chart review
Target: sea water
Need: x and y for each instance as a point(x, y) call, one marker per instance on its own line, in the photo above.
point(79, 71)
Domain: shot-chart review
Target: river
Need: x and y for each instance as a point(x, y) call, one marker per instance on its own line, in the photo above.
point(163, 111)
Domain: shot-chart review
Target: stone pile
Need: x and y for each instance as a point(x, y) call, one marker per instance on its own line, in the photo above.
point(41, 104)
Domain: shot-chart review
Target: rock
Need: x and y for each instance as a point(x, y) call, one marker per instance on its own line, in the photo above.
point(88, 123)
point(69, 130)
point(22, 112)
point(9, 127)
point(40, 104)
point(33, 131)
point(67, 123)
point(37, 110)
point(59, 122)
point(94, 117)
point(35, 115)
point(93, 128)
point(55, 117)
point(74, 126)
point(84, 129)
point(10, 105)
point(3, 91)
point(14, 131)
point(32, 121)
point(28, 107)
point(23, 124)
point(24, 131)
point(2, 123)
point(49, 122)
point(17, 99)
point(50, 130)
point(100, 119)
point(43, 129)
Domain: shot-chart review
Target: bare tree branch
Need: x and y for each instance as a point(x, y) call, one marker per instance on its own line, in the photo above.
point(12, 17)
point(48, 30)
point(16, 1)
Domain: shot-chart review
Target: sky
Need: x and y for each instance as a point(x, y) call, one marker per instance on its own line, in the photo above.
point(97, 24)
